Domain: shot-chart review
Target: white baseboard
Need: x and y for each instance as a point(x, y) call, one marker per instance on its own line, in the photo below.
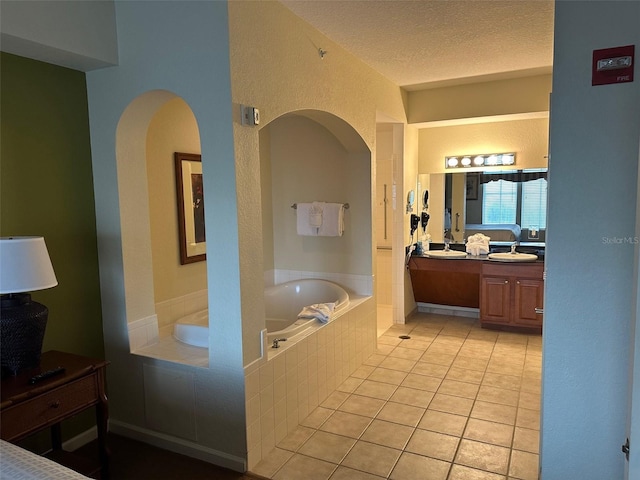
point(448, 310)
point(81, 439)
point(179, 445)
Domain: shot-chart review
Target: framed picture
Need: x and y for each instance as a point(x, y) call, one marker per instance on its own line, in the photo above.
point(190, 196)
point(472, 186)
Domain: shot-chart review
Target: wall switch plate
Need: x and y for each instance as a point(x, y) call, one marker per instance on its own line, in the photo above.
point(249, 115)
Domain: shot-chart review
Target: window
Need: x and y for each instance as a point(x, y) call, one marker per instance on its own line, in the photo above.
point(534, 204)
point(499, 202)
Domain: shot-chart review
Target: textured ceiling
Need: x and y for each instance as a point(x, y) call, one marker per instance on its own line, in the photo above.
point(420, 42)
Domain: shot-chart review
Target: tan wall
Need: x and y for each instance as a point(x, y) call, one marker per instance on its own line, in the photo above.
point(502, 97)
point(528, 138)
point(172, 129)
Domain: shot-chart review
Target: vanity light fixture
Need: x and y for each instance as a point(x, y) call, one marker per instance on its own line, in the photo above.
point(481, 160)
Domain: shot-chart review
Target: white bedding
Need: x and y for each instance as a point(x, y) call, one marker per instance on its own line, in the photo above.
point(19, 464)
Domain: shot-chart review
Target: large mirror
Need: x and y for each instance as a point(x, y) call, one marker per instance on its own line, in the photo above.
point(507, 206)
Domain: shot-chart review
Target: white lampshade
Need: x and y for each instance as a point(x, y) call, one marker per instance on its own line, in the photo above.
point(25, 265)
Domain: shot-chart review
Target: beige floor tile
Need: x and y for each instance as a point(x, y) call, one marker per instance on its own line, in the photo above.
point(504, 368)
point(395, 363)
point(421, 382)
point(498, 395)
point(384, 375)
point(431, 369)
point(508, 382)
point(529, 400)
point(451, 404)
point(272, 462)
point(524, 465)
point(489, 432)
point(372, 458)
point(464, 375)
point(295, 439)
point(412, 396)
point(334, 400)
point(360, 405)
point(347, 424)
point(458, 389)
point(526, 440)
point(388, 434)
point(470, 363)
point(483, 456)
point(389, 340)
point(442, 422)
point(345, 473)
point(301, 466)
point(375, 359)
point(528, 419)
point(443, 349)
point(363, 372)
point(407, 353)
point(379, 390)
point(349, 385)
point(459, 472)
point(317, 417)
point(384, 349)
point(417, 467)
point(433, 444)
point(417, 343)
point(494, 412)
point(438, 358)
point(327, 446)
point(402, 414)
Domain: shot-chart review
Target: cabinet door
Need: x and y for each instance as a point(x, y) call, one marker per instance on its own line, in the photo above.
point(528, 297)
point(495, 299)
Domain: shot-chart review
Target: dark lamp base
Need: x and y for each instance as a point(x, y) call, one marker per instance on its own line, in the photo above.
point(22, 326)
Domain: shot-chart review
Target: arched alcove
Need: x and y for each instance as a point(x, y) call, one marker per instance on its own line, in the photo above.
point(306, 156)
point(158, 289)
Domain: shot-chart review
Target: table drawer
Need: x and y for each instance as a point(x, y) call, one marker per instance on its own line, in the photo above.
point(31, 415)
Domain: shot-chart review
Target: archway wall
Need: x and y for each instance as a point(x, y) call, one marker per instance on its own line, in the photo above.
point(154, 67)
point(276, 67)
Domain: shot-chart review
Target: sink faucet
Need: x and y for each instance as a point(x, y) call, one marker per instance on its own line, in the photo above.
point(513, 248)
point(276, 342)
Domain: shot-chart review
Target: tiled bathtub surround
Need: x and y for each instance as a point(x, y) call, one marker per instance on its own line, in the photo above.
point(283, 390)
point(454, 402)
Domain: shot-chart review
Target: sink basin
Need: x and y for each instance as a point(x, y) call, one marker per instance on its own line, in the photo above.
point(445, 254)
point(513, 257)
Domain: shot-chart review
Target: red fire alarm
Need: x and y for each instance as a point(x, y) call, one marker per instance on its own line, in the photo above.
point(613, 65)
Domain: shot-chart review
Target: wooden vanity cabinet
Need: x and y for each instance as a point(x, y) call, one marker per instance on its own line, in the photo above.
point(510, 295)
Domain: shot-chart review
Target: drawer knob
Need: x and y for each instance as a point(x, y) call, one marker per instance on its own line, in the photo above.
point(55, 404)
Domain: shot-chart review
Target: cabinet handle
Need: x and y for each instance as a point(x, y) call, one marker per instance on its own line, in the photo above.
point(518, 282)
point(55, 404)
point(539, 311)
point(506, 282)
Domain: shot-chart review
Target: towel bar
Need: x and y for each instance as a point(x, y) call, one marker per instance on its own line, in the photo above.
point(295, 206)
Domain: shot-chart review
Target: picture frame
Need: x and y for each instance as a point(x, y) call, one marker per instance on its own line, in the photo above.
point(190, 202)
point(472, 186)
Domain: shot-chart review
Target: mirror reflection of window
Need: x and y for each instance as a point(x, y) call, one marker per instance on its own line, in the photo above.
point(522, 200)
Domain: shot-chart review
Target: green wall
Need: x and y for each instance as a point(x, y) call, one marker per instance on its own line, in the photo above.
point(46, 188)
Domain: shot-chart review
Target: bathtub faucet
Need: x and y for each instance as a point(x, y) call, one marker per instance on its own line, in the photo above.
point(277, 341)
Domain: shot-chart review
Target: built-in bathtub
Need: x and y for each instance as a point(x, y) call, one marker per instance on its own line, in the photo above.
point(283, 303)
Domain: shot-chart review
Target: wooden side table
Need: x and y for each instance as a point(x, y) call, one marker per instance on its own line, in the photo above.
point(28, 408)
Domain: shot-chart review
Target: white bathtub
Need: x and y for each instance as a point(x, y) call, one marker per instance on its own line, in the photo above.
point(283, 303)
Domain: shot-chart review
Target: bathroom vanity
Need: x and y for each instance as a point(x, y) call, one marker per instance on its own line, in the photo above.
point(508, 295)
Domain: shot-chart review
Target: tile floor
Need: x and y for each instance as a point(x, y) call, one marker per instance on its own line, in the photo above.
point(453, 402)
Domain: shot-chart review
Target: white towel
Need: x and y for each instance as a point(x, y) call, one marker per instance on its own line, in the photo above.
point(303, 224)
point(478, 244)
point(321, 311)
point(332, 220)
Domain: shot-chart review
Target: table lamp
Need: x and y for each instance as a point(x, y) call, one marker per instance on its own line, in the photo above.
point(24, 267)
